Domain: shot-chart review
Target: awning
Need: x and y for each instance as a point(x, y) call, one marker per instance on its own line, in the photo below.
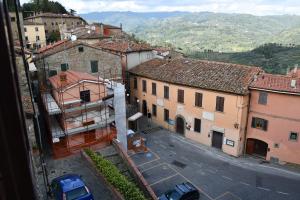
point(135, 116)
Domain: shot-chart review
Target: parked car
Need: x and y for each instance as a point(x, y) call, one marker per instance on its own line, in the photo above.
point(70, 187)
point(184, 191)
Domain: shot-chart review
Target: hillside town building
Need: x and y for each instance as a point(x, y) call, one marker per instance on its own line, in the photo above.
point(54, 22)
point(34, 33)
point(274, 118)
point(202, 100)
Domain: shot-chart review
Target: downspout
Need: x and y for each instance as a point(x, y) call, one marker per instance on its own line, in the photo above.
point(246, 127)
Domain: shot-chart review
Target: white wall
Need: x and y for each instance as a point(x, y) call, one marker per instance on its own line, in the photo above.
point(136, 58)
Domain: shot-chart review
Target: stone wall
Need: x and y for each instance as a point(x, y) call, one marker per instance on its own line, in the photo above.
point(109, 65)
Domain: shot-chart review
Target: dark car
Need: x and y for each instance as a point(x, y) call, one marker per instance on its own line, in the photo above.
point(70, 187)
point(184, 191)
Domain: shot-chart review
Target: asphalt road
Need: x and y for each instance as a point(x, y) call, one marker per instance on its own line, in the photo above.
point(173, 159)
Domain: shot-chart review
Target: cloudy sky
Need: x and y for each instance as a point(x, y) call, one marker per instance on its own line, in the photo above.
point(256, 7)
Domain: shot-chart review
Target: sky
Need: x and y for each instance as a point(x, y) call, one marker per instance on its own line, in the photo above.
point(255, 7)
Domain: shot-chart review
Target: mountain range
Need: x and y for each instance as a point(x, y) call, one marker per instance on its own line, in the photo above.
point(200, 31)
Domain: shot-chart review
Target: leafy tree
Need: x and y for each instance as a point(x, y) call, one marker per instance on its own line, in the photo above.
point(44, 6)
point(54, 36)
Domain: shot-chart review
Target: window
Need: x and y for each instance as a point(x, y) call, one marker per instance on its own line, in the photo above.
point(45, 23)
point(85, 96)
point(135, 83)
point(154, 110)
point(166, 92)
point(25, 29)
point(52, 73)
point(153, 88)
point(94, 66)
point(197, 125)
point(80, 49)
point(52, 24)
point(56, 23)
point(26, 38)
point(64, 67)
point(36, 28)
point(166, 115)
point(46, 31)
point(37, 38)
point(263, 98)
point(144, 85)
point(220, 104)
point(198, 99)
point(13, 19)
point(293, 136)
point(180, 96)
point(259, 123)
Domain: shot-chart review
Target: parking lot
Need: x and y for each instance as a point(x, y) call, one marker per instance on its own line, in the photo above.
point(173, 159)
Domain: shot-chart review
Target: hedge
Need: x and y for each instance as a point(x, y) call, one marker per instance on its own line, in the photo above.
point(128, 189)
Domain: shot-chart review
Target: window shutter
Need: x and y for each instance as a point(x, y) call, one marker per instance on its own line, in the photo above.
point(64, 67)
point(265, 126)
point(166, 92)
point(94, 66)
point(197, 125)
point(253, 122)
point(198, 99)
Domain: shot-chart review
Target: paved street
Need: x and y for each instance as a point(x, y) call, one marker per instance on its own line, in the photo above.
point(174, 159)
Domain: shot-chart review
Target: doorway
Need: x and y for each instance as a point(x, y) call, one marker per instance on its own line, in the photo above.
point(144, 106)
point(180, 125)
point(217, 139)
point(257, 147)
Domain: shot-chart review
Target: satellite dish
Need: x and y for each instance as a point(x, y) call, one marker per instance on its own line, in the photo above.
point(73, 37)
point(89, 31)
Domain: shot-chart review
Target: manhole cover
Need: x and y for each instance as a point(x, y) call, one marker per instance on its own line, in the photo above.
point(179, 164)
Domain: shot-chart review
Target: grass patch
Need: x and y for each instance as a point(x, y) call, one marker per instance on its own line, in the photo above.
point(128, 189)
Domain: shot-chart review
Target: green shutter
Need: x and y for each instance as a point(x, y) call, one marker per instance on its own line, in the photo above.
point(94, 66)
point(64, 67)
point(52, 73)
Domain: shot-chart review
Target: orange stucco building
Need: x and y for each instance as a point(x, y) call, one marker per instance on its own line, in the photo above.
point(274, 118)
point(202, 100)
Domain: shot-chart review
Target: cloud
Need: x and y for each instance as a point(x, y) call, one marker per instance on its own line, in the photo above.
point(256, 7)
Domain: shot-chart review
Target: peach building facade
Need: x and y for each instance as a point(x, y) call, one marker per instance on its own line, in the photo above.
point(211, 114)
point(274, 118)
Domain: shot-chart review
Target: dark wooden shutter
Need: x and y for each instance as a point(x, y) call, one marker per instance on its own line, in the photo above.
point(166, 92)
point(253, 125)
point(94, 66)
point(220, 104)
point(197, 125)
point(144, 86)
point(265, 125)
point(135, 83)
point(154, 88)
point(180, 96)
point(263, 98)
point(154, 110)
point(166, 115)
point(198, 99)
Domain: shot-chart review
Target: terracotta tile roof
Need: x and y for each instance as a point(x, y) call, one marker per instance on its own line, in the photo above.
point(58, 47)
point(123, 46)
point(225, 77)
point(276, 83)
point(71, 78)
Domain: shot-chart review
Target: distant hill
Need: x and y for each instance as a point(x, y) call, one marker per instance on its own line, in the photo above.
point(273, 58)
point(201, 31)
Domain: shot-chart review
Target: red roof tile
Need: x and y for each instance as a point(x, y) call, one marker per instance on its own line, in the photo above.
point(123, 46)
point(218, 76)
point(276, 83)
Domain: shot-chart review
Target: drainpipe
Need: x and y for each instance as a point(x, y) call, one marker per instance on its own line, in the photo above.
point(246, 127)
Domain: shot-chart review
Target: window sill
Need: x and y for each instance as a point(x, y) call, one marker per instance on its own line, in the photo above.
point(219, 112)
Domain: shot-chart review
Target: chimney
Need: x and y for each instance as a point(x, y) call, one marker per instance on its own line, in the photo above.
point(121, 26)
point(101, 29)
point(293, 83)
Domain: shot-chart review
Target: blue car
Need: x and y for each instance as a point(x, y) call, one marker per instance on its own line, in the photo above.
point(70, 187)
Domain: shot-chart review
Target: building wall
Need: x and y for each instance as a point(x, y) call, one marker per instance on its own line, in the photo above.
point(109, 65)
point(31, 34)
point(136, 58)
point(283, 115)
point(52, 24)
point(235, 112)
point(14, 26)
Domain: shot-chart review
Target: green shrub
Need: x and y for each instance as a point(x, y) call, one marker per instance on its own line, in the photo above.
point(128, 189)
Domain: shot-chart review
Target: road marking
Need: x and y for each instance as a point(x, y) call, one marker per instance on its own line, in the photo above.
point(284, 193)
point(147, 162)
point(191, 182)
point(228, 193)
point(244, 183)
point(226, 177)
point(262, 188)
point(173, 152)
point(152, 167)
point(234, 195)
point(163, 179)
point(211, 171)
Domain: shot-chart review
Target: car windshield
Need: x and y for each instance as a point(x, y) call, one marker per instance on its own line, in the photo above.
point(173, 195)
point(74, 194)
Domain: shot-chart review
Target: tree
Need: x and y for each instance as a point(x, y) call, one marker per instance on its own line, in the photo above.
point(54, 36)
point(43, 6)
point(72, 12)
